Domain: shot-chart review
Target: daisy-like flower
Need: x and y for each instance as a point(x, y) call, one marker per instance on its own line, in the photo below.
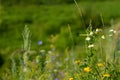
point(106, 75)
point(111, 30)
point(100, 64)
point(91, 46)
point(103, 37)
point(87, 69)
point(91, 33)
point(87, 39)
point(97, 30)
point(71, 78)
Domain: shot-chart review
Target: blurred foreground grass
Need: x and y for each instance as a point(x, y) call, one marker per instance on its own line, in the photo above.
point(100, 60)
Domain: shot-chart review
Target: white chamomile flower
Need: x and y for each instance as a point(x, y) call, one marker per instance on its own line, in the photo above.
point(97, 30)
point(91, 33)
point(91, 46)
point(87, 39)
point(111, 30)
point(103, 37)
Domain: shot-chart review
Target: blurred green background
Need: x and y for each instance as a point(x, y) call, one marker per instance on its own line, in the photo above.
point(51, 17)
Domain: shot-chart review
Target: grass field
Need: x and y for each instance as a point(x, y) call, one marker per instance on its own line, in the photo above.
point(58, 45)
point(46, 20)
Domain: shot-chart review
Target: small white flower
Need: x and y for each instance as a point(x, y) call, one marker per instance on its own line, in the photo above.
point(103, 37)
point(87, 39)
point(91, 33)
point(91, 46)
point(111, 30)
point(97, 30)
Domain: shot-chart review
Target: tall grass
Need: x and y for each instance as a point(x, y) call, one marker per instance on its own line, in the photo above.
point(54, 64)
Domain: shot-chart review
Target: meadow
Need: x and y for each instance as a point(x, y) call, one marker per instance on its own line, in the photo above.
point(50, 42)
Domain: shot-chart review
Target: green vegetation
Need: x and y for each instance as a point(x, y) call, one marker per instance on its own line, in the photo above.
point(56, 44)
point(66, 65)
point(47, 20)
point(44, 2)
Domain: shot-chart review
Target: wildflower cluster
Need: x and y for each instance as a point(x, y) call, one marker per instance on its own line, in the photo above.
point(91, 36)
point(54, 64)
point(94, 67)
point(111, 32)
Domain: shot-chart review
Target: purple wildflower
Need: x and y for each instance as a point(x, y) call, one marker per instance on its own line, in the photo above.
point(40, 42)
